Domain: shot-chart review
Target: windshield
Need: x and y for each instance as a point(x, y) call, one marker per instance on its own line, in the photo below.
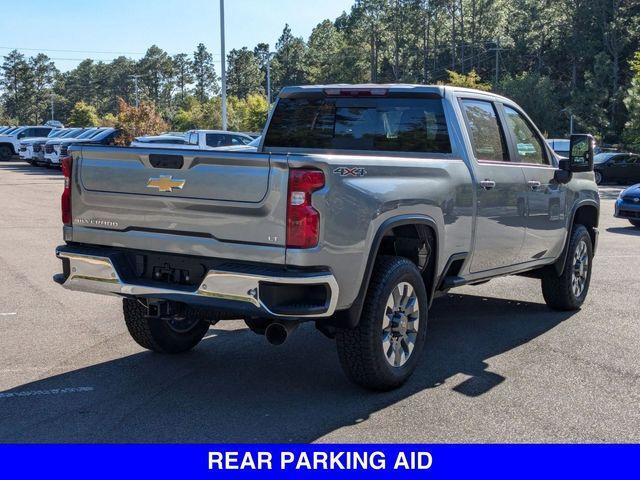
point(88, 133)
point(603, 157)
point(11, 130)
point(73, 133)
point(56, 133)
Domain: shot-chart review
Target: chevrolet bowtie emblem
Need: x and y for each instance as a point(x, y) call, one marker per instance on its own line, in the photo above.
point(165, 183)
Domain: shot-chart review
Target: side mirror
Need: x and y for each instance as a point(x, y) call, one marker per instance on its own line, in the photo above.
point(580, 154)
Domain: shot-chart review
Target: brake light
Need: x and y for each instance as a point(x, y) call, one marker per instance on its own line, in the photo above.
point(303, 221)
point(67, 166)
point(355, 92)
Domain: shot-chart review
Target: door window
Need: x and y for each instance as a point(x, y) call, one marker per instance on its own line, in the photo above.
point(529, 145)
point(216, 140)
point(487, 137)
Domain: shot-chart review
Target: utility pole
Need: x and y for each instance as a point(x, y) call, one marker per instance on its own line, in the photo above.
point(137, 90)
point(497, 49)
point(223, 68)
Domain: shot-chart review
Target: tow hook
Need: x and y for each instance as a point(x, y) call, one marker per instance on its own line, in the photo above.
point(163, 309)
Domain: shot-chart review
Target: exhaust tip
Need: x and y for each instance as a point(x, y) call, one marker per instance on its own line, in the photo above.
point(276, 334)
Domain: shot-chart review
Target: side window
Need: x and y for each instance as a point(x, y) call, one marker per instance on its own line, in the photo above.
point(215, 140)
point(528, 143)
point(193, 138)
point(42, 132)
point(487, 137)
point(620, 160)
point(238, 140)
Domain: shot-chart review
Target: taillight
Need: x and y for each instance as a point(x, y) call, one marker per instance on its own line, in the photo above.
point(303, 221)
point(67, 166)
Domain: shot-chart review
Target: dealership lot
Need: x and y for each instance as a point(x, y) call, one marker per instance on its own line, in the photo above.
point(499, 365)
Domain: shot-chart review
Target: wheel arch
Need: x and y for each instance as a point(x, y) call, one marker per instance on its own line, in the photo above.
point(585, 213)
point(10, 145)
point(402, 224)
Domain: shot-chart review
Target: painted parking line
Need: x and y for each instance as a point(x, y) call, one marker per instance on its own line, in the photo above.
point(53, 391)
point(8, 314)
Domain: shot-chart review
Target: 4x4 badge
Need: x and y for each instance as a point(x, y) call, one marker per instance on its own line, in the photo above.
point(165, 183)
point(350, 171)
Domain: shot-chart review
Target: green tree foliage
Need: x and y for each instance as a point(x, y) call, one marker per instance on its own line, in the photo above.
point(183, 67)
point(204, 73)
point(17, 84)
point(243, 73)
point(83, 115)
point(556, 58)
point(470, 80)
point(631, 133)
point(288, 63)
point(538, 96)
point(157, 77)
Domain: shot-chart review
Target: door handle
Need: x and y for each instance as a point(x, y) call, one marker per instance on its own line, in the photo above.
point(487, 184)
point(534, 184)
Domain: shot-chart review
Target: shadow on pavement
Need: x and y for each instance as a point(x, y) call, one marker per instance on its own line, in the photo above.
point(23, 167)
point(630, 230)
point(236, 388)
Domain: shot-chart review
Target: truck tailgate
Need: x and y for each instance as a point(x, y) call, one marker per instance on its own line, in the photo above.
point(234, 197)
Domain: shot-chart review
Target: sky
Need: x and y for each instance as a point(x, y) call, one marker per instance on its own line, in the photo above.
point(71, 30)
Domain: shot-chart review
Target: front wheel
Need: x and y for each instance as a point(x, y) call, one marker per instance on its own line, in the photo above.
point(568, 290)
point(165, 336)
point(599, 177)
point(5, 153)
point(384, 349)
point(635, 223)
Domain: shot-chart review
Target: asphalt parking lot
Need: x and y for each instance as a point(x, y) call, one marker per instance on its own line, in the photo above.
point(499, 366)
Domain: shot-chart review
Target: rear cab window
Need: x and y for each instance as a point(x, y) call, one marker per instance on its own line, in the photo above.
point(385, 124)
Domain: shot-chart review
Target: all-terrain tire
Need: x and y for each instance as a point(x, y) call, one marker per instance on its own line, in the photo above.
point(360, 349)
point(5, 153)
point(558, 290)
point(157, 334)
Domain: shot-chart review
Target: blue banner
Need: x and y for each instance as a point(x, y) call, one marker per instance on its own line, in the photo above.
point(319, 461)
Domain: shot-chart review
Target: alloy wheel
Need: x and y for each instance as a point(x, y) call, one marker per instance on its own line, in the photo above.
point(400, 324)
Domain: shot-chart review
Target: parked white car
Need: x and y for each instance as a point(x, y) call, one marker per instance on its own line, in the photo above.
point(10, 142)
point(25, 150)
point(53, 147)
point(249, 147)
point(164, 140)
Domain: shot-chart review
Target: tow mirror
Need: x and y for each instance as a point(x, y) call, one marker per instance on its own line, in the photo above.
point(580, 154)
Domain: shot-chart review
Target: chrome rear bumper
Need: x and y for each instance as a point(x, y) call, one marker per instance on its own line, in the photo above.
point(97, 274)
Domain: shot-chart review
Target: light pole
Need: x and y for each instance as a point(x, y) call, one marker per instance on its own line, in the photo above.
point(135, 83)
point(52, 116)
point(223, 68)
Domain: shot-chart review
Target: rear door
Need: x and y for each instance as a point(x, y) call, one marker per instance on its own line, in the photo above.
point(500, 187)
point(546, 199)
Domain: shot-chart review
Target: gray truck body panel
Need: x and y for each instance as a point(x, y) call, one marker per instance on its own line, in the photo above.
point(233, 204)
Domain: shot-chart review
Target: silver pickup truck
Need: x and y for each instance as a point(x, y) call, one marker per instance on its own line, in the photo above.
point(361, 204)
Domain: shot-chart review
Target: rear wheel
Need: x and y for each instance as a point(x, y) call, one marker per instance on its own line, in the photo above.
point(568, 290)
point(384, 349)
point(176, 335)
point(635, 223)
